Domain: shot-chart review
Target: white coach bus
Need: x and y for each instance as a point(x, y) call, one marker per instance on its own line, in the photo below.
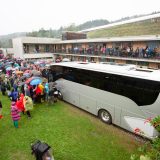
point(117, 93)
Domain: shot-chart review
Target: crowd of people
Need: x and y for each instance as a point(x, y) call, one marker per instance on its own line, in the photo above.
point(127, 51)
point(25, 84)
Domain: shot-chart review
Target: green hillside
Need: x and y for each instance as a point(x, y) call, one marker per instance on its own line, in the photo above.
point(148, 27)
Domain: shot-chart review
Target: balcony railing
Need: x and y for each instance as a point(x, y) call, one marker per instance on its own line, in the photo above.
point(153, 56)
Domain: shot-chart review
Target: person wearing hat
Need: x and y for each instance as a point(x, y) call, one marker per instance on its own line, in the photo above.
point(15, 113)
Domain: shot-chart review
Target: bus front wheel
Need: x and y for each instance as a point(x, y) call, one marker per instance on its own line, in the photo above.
point(105, 116)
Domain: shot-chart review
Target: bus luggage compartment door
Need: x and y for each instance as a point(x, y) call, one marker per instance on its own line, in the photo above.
point(71, 97)
point(88, 104)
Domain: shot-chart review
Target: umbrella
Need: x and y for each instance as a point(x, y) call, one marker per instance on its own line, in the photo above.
point(16, 65)
point(23, 77)
point(19, 72)
point(58, 60)
point(30, 79)
point(23, 68)
point(26, 74)
point(36, 81)
point(7, 63)
point(66, 60)
point(27, 71)
point(36, 73)
point(8, 68)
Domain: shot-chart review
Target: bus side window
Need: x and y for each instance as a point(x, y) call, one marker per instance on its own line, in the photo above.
point(69, 75)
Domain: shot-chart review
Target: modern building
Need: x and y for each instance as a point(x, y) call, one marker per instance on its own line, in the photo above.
point(139, 50)
point(33, 47)
point(6, 52)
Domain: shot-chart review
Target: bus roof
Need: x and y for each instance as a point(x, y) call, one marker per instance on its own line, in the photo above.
point(113, 68)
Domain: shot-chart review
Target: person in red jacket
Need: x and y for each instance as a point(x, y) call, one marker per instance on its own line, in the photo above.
point(20, 104)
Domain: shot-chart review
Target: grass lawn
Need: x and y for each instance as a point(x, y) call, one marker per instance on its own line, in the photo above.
point(72, 133)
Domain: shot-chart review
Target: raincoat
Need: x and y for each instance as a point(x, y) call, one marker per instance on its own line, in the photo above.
point(28, 103)
point(15, 113)
point(20, 104)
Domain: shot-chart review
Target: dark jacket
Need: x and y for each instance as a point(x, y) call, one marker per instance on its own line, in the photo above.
point(0, 104)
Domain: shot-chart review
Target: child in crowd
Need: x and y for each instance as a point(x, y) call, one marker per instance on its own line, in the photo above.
point(15, 113)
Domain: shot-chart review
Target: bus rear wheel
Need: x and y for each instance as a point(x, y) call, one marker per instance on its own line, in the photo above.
point(105, 116)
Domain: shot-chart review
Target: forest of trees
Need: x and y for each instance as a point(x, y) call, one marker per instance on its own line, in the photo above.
point(57, 33)
point(6, 41)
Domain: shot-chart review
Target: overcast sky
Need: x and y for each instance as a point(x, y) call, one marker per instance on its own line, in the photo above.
point(31, 15)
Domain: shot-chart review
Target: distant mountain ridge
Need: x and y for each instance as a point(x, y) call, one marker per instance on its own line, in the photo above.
point(6, 40)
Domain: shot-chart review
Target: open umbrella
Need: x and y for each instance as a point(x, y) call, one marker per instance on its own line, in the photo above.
point(36, 81)
point(24, 77)
point(30, 79)
point(19, 72)
point(16, 65)
point(27, 71)
point(66, 60)
point(26, 74)
point(8, 68)
point(36, 73)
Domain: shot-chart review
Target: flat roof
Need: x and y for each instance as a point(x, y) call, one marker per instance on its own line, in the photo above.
point(112, 68)
point(113, 39)
point(39, 40)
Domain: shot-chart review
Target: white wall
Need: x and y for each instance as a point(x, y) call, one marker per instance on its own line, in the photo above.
point(18, 48)
point(38, 55)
